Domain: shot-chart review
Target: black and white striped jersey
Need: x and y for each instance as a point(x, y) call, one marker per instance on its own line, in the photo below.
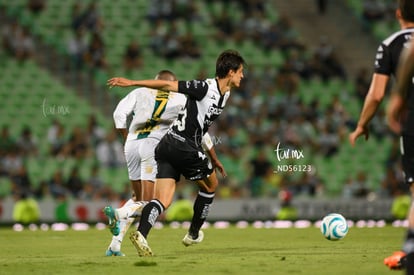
point(386, 63)
point(204, 104)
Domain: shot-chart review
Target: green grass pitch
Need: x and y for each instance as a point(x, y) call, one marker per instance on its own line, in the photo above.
point(223, 251)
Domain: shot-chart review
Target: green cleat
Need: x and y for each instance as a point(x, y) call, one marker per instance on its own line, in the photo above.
point(110, 252)
point(112, 221)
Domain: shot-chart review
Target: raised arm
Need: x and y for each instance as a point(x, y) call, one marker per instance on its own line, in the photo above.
point(164, 85)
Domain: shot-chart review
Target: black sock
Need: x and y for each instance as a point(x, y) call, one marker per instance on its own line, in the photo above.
point(410, 234)
point(408, 246)
point(201, 209)
point(410, 264)
point(149, 215)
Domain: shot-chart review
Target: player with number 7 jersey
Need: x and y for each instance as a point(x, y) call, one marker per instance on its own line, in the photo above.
point(154, 112)
point(180, 152)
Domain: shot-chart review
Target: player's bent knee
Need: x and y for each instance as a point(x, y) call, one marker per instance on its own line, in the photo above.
point(208, 184)
point(164, 191)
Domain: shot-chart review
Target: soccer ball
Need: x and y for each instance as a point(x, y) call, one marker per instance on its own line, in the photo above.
point(334, 227)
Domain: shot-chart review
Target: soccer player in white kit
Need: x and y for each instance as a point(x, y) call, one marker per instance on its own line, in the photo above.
point(153, 112)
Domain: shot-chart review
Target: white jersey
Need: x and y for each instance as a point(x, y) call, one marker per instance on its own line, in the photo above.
point(153, 112)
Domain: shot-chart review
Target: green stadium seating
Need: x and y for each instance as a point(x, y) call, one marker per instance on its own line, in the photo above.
point(5, 187)
point(125, 21)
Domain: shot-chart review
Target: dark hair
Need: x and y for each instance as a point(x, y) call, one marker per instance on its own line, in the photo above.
point(166, 75)
point(407, 9)
point(227, 61)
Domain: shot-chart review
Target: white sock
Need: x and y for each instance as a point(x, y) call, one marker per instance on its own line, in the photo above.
point(119, 212)
point(124, 225)
point(128, 202)
point(130, 210)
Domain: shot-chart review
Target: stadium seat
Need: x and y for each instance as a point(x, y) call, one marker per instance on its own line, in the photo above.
point(5, 186)
point(126, 21)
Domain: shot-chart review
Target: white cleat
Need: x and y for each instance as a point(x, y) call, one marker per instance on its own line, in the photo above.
point(188, 240)
point(140, 244)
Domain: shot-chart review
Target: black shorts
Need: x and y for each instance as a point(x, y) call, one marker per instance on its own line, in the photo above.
point(407, 157)
point(175, 158)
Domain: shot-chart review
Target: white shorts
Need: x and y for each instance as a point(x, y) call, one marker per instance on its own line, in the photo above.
point(140, 159)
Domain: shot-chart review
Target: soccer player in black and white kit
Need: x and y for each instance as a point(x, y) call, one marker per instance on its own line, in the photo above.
point(386, 65)
point(153, 111)
point(400, 118)
point(179, 151)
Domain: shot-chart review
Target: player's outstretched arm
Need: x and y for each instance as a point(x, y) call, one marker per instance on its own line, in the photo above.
point(164, 85)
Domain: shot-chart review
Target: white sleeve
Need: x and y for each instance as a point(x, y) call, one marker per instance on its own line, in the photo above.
point(206, 142)
point(124, 108)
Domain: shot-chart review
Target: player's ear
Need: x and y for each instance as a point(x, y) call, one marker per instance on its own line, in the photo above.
point(231, 73)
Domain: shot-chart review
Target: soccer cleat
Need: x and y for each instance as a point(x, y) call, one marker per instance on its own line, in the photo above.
point(396, 261)
point(110, 252)
point(112, 221)
point(140, 244)
point(188, 239)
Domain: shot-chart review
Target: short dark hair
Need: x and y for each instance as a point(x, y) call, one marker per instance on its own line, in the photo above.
point(166, 75)
point(227, 61)
point(407, 9)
